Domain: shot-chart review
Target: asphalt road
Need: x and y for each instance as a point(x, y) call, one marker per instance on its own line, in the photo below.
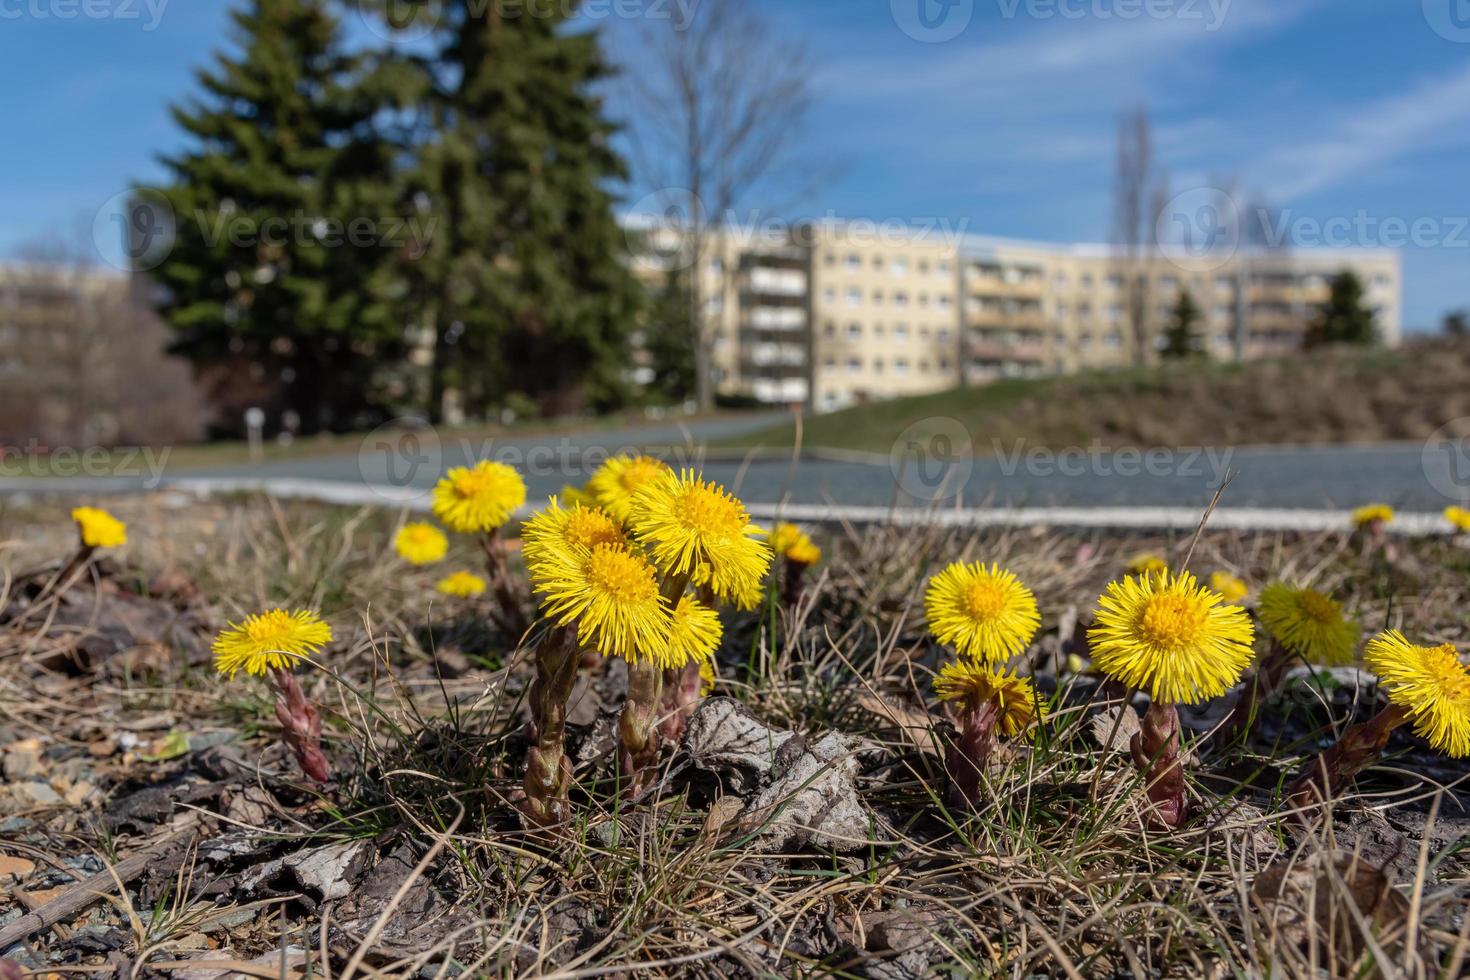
point(1407, 476)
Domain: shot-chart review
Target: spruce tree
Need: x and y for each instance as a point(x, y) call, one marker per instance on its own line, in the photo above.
point(283, 268)
point(525, 281)
point(1345, 319)
point(670, 341)
point(1181, 338)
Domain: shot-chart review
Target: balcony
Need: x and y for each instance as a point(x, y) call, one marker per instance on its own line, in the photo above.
point(779, 391)
point(784, 318)
point(775, 355)
point(776, 282)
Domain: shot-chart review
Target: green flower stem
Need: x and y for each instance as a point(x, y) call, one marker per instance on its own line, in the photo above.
point(1156, 752)
point(1357, 749)
point(548, 773)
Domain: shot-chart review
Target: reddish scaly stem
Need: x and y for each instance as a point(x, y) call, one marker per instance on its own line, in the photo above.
point(548, 773)
point(681, 685)
point(511, 614)
point(301, 725)
point(969, 754)
point(638, 736)
point(1357, 749)
point(1155, 750)
point(793, 584)
point(69, 573)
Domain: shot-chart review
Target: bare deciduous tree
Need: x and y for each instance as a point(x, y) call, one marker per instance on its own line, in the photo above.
point(720, 101)
point(83, 357)
point(1140, 194)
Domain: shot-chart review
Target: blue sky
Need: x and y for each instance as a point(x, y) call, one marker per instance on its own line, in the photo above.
point(1353, 110)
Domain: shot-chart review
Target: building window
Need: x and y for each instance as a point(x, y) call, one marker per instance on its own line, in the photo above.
point(901, 300)
point(854, 262)
point(878, 331)
point(854, 331)
point(877, 297)
point(944, 364)
point(830, 364)
point(899, 267)
point(829, 329)
point(923, 367)
point(854, 366)
point(877, 365)
point(924, 266)
point(942, 267)
point(942, 336)
point(900, 332)
point(829, 295)
point(854, 296)
point(942, 302)
point(900, 366)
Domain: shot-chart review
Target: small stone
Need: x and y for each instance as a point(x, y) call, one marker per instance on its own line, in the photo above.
point(42, 793)
point(15, 867)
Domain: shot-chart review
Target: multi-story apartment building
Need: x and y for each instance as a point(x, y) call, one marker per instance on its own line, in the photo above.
point(833, 314)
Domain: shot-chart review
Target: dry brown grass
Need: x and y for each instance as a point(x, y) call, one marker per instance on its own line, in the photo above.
point(1056, 876)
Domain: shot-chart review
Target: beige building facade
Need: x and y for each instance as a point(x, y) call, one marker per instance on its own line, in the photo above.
point(840, 313)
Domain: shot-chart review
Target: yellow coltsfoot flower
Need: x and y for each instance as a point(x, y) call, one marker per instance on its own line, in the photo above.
point(618, 481)
point(694, 632)
point(1430, 684)
point(1459, 517)
point(698, 529)
point(480, 498)
point(1147, 563)
point(420, 544)
point(1230, 587)
point(1170, 636)
point(559, 536)
point(793, 544)
point(972, 686)
point(273, 640)
point(612, 595)
point(1309, 624)
point(461, 585)
point(99, 529)
point(984, 613)
point(1379, 514)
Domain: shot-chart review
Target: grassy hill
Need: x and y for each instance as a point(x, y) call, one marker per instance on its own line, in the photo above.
point(1331, 397)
